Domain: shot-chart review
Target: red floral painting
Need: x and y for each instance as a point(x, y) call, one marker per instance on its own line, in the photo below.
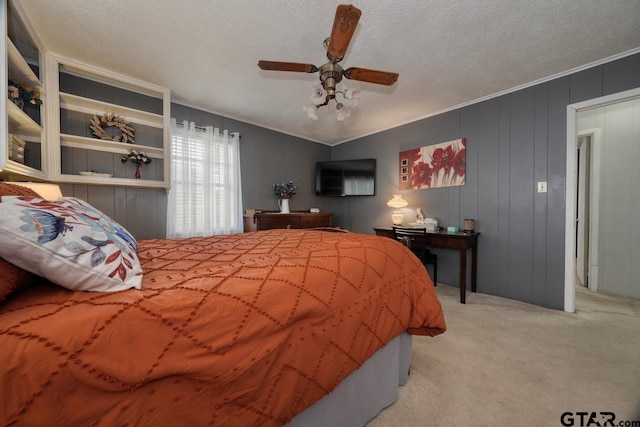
point(434, 166)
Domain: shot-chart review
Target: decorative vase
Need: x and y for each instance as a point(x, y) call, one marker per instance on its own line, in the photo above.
point(283, 204)
point(137, 175)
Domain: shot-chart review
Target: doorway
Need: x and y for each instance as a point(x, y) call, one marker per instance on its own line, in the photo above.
point(589, 146)
point(574, 138)
point(584, 207)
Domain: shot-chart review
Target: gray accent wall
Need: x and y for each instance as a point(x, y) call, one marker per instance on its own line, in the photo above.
point(513, 141)
point(142, 211)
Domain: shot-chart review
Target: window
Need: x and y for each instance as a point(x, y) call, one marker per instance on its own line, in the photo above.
point(205, 196)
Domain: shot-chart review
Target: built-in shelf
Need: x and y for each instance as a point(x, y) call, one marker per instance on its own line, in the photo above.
point(74, 141)
point(118, 182)
point(19, 70)
point(19, 168)
point(92, 106)
point(20, 123)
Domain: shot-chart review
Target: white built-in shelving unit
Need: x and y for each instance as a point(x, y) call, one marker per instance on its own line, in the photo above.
point(16, 123)
point(46, 135)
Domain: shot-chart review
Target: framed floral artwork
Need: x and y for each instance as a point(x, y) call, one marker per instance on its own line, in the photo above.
point(434, 166)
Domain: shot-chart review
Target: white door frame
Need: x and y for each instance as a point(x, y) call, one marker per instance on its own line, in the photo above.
point(572, 187)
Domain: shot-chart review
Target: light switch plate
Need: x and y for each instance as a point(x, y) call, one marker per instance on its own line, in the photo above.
point(542, 187)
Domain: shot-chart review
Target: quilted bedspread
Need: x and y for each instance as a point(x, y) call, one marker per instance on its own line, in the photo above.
point(239, 330)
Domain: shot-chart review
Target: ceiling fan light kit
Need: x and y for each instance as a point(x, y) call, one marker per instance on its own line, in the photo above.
point(331, 73)
point(343, 108)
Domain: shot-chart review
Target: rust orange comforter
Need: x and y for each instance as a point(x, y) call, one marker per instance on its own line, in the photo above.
point(240, 330)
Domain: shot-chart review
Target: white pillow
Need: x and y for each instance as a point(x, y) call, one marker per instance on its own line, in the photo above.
point(69, 242)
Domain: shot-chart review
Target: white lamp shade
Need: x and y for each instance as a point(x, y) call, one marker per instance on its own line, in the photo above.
point(318, 95)
point(397, 202)
point(312, 112)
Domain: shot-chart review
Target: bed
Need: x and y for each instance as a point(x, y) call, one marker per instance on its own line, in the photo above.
point(253, 329)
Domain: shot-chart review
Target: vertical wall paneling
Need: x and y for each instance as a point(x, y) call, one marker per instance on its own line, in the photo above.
point(504, 133)
point(81, 192)
point(120, 206)
point(102, 198)
point(469, 192)
point(586, 84)
point(79, 161)
point(540, 199)
point(521, 194)
point(142, 212)
point(621, 75)
point(488, 181)
point(446, 127)
point(559, 93)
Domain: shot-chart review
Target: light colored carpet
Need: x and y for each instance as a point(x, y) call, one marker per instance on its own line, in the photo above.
point(507, 363)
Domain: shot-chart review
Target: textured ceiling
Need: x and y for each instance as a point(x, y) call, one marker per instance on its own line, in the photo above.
point(447, 53)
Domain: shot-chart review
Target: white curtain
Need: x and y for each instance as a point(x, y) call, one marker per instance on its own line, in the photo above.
point(205, 196)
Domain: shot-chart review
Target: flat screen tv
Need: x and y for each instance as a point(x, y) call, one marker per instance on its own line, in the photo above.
point(339, 178)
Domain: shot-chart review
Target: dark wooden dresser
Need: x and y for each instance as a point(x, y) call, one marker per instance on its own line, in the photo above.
point(297, 219)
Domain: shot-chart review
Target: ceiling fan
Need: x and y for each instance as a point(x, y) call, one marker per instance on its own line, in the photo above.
point(331, 73)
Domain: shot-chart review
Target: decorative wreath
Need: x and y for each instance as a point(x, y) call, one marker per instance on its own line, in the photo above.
point(109, 119)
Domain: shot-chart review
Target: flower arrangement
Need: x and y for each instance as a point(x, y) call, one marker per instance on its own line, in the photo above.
point(284, 190)
point(19, 91)
point(137, 157)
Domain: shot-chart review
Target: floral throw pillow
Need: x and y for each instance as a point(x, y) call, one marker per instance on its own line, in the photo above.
point(70, 243)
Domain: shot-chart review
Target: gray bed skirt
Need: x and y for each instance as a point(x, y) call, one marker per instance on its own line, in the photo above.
point(364, 393)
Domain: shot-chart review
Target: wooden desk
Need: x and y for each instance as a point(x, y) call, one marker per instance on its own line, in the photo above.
point(460, 241)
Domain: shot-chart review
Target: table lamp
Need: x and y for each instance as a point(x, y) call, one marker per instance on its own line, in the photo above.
point(397, 203)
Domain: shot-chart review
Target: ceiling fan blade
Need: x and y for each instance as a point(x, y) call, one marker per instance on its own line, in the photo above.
point(287, 66)
point(344, 25)
point(371, 76)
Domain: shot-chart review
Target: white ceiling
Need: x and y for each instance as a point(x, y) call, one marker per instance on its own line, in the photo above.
point(447, 52)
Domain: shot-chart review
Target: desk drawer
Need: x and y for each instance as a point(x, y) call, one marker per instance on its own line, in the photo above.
point(456, 243)
point(440, 241)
